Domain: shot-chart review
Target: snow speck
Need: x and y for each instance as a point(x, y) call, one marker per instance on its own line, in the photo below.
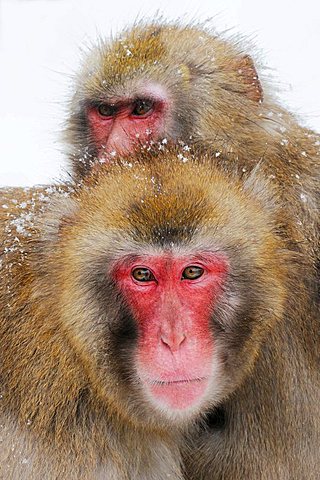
point(21, 223)
point(182, 158)
point(303, 197)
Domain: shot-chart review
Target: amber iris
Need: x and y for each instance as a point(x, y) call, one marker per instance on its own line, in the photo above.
point(192, 273)
point(142, 274)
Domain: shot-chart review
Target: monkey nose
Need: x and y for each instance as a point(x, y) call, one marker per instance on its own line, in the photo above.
point(174, 341)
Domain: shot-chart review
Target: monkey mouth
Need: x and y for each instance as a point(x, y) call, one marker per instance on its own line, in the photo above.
point(176, 382)
point(178, 395)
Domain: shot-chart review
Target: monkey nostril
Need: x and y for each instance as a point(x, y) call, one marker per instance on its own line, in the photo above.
point(165, 341)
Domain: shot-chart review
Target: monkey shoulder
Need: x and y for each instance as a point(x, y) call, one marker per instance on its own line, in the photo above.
point(22, 220)
point(20, 213)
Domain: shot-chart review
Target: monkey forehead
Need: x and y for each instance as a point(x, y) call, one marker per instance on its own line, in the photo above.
point(108, 64)
point(124, 82)
point(155, 51)
point(166, 200)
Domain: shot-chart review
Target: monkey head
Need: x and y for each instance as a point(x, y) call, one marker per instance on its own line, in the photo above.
point(160, 83)
point(169, 275)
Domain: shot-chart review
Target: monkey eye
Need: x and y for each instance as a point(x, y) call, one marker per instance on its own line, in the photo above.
point(142, 107)
point(106, 110)
point(192, 273)
point(142, 274)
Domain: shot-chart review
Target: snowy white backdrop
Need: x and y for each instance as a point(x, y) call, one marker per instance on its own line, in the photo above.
point(39, 49)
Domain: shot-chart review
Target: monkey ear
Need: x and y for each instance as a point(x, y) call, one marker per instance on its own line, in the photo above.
point(249, 78)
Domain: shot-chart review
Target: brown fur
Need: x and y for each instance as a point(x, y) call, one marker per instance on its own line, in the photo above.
point(70, 411)
point(218, 101)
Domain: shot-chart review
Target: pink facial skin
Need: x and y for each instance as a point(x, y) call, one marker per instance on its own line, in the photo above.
point(123, 129)
point(174, 355)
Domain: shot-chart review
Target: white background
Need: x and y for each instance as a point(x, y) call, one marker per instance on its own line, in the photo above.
point(40, 44)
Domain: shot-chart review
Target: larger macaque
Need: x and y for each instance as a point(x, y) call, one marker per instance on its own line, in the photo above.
point(160, 293)
point(163, 82)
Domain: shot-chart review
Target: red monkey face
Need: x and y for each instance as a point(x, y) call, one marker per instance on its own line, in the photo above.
point(117, 126)
point(176, 275)
point(171, 299)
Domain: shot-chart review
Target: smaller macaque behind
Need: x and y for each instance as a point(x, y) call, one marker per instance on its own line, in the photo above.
point(164, 82)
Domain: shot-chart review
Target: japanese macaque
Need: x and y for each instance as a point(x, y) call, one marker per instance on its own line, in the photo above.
point(183, 84)
point(161, 292)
